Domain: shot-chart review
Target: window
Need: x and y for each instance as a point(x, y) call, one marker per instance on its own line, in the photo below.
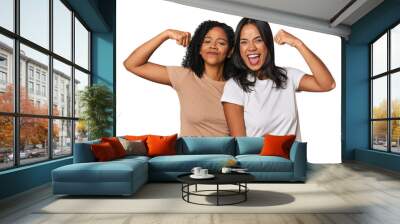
point(37, 89)
point(54, 126)
point(385, 91)
point(7, 14)
point(37, 148)
point(30, 87)
point(3, 78)
point(62, 137)
point(3, 61)
point(6, 142)
point(81, 45)
point(43, 90)
point(62, 29)
point(395, 47)
point(62, 74)
point(81, 81)
point(43, 77)
point(30, 72)
point(3, 71)
point(37, 75)
point(6, 73)
point(34, 21)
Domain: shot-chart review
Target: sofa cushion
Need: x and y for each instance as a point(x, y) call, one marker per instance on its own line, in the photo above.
point(132, 158)
point(277, 145)
point(185, 163)
point(136, 137)
point(103, 151)
point(111, 171)
point(134, 147)
point(83, 152)
point(116, 145)
point(206, 145)
point(161, 145)
point(257, 163)
point(249, 145)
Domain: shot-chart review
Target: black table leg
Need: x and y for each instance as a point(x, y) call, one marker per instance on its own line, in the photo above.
point(188, 190)
point(245, 193)
point(182, 190)
point(217, 194)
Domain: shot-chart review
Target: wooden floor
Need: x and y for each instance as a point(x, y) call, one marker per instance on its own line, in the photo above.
point(377, 188)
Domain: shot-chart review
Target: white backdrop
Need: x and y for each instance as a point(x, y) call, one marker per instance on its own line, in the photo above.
point(144, 107)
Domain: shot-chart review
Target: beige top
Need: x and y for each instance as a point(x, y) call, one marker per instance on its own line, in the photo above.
point(200, 99)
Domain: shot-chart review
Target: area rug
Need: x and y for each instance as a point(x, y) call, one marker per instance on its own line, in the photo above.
point(167, 198)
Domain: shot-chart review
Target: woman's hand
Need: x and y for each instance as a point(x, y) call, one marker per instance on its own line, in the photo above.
point(321, 79)
point(283, 37)
point(181, 37)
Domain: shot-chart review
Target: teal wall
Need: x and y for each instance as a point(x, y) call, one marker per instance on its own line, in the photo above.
point(99, 16)
point(103, 53)
point(102, 63)
point(355, 56)
point(24, 178)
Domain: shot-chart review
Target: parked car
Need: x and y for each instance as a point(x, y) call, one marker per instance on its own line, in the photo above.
point(22, 155)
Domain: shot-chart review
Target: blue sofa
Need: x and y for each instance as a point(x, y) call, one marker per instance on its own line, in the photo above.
point(125, 176)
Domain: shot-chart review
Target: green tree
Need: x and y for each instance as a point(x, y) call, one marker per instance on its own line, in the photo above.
point(97, 104)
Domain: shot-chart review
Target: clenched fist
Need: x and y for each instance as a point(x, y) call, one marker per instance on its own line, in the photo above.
point(181, 37)
point(283, 37)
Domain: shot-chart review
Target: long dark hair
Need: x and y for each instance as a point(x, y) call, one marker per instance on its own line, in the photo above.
point(193, 59)
point(268, 70)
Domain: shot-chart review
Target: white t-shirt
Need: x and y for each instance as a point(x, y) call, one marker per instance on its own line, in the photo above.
point(268, 110)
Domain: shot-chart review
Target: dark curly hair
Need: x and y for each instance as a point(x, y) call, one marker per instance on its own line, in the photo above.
point(269, 70)
point(193, 59)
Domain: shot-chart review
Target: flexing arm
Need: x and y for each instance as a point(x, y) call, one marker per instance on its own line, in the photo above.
point(234, 116)
point(138, 63)
point(321, 80)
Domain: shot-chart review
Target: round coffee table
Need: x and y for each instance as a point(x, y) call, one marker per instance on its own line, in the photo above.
point(238, 179)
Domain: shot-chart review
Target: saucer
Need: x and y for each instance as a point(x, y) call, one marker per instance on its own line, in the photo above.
point(208, 176)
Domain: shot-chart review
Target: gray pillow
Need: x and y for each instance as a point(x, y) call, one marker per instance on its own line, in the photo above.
point(135, 147)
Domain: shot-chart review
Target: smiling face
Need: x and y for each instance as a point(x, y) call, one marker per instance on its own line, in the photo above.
point(253, 50)
point(215, 47)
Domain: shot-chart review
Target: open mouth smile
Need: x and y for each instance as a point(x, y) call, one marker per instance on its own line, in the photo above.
point(254, 59)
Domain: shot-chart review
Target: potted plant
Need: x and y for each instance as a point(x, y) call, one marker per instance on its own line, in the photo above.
point(97, 106)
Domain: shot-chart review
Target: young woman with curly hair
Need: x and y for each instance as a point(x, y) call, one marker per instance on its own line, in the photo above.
point(199, 82)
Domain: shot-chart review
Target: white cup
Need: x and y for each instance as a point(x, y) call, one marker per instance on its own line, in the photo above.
point(196, 170)
point(203, 172)
point(226, 170)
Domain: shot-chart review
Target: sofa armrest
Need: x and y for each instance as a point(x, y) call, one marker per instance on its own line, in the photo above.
point(83, 152)
point(298, 155)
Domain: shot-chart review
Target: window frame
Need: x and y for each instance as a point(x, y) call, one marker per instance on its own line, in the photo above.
point(388, 74)
point(16, 114)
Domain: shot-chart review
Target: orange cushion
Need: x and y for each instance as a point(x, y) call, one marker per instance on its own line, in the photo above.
point(135, 138)
point(103, 151)
point(277, 145)
point(161, 145)
point(116, 145)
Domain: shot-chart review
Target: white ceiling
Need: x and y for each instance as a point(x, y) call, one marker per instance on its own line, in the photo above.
point(324, 16)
